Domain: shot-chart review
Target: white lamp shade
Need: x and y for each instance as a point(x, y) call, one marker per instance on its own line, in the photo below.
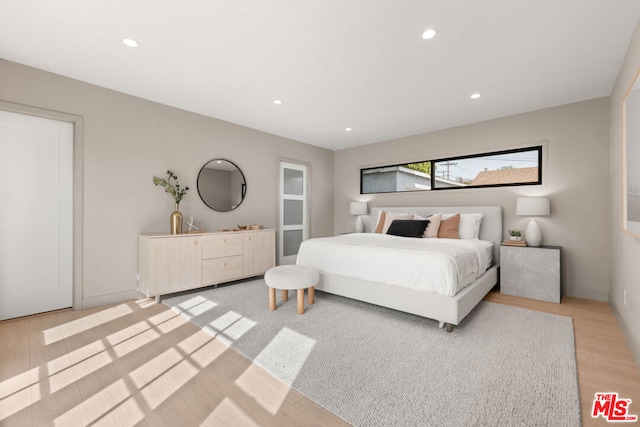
point(358, 208)
point(533, 206)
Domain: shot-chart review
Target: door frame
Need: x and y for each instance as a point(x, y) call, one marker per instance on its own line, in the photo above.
point(78, 165)
point(307, 189)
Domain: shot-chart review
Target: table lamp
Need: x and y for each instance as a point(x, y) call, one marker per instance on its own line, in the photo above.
point(359, 208)
point(533, 207)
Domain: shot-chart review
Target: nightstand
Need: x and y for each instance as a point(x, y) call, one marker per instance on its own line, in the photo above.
point(531, 272)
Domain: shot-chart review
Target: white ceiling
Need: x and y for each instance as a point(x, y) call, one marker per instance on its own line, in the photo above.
point(335, 63)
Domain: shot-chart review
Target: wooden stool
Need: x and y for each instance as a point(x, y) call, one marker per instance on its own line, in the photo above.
point(290, 277)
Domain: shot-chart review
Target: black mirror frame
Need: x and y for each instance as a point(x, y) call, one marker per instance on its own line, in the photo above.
point(243, 189)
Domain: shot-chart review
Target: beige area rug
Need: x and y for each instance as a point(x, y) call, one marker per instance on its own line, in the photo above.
point(502, 366)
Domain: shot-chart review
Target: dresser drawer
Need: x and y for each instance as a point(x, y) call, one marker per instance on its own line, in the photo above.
point(221, 245)
point(218, 270)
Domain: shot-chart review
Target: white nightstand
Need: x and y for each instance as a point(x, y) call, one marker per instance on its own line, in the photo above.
point(531, 272)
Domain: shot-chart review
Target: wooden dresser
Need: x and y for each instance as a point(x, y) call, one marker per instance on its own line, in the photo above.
point(173, 263)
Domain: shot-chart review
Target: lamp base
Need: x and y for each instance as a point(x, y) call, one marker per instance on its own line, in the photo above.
point(359, 224)
point(533, 234)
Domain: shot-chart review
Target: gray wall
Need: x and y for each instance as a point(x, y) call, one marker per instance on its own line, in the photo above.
point(575, 149)
point(127, 140)
point(625, 250)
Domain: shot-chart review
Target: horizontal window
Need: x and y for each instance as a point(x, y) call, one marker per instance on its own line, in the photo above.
point(496, 169)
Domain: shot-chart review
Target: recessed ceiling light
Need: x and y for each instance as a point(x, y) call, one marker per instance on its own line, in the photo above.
point(429, 33)
point(277, 101)
point(348, 129)
point(476, 95)
point(129, 42)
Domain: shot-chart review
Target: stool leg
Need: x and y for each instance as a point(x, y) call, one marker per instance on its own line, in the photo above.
point(285, 295)
point(272, 299)
point(300, 301)
point(311, 295)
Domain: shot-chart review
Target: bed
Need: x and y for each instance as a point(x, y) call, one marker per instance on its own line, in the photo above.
point(392, 287)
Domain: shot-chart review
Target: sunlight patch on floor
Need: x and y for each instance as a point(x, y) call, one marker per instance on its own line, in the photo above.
point(67, 369)
point(75, 370)
point(228, 413)
point(162, 376)
point(146, 387)
point(229, 327)
point(88, 366)
point(194, 306)
point(284, 357)
point(167, 384)
point(135, 336)
point(132, 338)
point(202, 348)
point(286, 353)
point(265, 389)
point(150, 382)
point(109, 406)
point(146, 302)
point(163, 317)
point(85, 323)
point(16, 392)
point(95, 355)
point(226, 320)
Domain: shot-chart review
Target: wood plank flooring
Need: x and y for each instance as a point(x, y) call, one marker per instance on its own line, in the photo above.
point(139, 363)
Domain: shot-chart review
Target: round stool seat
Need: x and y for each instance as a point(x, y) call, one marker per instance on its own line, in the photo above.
point(287, 277)
point(292, 277)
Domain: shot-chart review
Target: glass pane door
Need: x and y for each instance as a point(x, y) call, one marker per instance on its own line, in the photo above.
point(293, 224)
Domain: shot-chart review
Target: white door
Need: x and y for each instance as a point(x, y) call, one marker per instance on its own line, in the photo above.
point(36, 215)
point(293, 223)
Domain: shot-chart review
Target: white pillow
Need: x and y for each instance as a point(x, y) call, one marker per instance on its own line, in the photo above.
point(469, 227)
point(382, 216)
point(432, 229)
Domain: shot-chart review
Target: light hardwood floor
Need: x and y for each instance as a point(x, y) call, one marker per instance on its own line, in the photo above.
point(139, 363)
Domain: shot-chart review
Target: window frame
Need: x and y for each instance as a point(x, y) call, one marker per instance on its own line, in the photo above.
point(433, 163)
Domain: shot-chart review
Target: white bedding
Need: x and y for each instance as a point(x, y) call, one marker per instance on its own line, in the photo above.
point(442, 266)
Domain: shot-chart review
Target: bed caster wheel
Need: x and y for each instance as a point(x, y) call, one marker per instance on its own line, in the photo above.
point(447, 326)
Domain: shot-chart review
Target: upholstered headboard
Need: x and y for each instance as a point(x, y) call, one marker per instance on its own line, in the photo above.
point(490, 227)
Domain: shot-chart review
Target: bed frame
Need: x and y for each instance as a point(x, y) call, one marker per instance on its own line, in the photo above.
point(448, 310)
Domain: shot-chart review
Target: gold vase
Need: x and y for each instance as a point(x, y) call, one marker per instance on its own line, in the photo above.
point(176, 221)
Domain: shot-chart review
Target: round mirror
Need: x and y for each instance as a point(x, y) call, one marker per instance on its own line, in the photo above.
point(221, 185)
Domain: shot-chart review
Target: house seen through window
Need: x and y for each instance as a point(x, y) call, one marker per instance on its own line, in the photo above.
point(501, 168)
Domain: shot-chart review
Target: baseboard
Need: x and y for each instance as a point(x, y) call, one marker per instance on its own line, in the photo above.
point(110, 299)
point(593, 295)
point(627, 335)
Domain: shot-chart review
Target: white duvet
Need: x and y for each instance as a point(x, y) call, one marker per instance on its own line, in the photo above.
point(442, 266)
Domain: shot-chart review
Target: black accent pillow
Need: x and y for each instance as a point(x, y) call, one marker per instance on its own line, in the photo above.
point(408, 227)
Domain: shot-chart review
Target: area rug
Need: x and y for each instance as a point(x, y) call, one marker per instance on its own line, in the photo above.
point(502, 366)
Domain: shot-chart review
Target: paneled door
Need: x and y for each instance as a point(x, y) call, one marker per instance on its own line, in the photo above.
point(293, 218)
point(36, 215)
